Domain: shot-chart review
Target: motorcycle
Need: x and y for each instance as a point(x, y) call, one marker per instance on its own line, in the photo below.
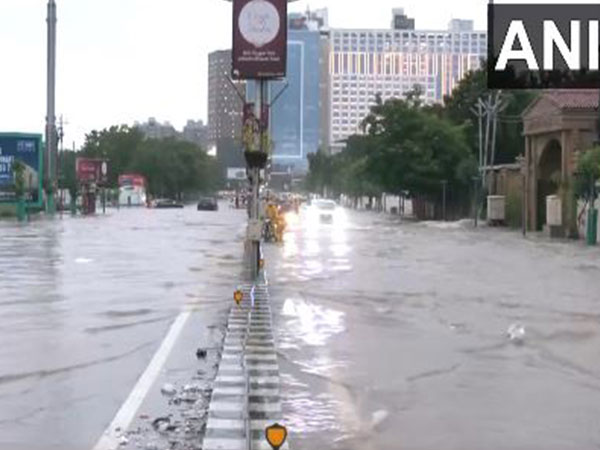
point(269, 234)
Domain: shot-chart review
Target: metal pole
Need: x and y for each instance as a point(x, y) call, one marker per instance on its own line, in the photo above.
point(444, 185)
point(476, 201)
point(524, 203)
point(51, 147)
point(51, 138)
point(480, 116)
point(255, 174)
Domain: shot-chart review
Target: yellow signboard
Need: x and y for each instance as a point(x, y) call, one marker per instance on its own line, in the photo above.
point(238, 296)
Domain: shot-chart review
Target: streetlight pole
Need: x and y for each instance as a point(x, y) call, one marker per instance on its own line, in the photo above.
point(51, 138)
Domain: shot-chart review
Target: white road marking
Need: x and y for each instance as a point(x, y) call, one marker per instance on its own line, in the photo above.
point(127, 412)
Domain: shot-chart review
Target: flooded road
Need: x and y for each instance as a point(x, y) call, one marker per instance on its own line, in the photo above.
point(85, 303)
point(390, 335)
point(395, 336)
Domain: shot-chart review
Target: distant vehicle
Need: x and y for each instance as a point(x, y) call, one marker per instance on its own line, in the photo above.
point(325, 208)
point(208, 204)
point(167, 203)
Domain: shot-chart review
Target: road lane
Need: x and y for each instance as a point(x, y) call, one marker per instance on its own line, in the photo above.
point(86, 303)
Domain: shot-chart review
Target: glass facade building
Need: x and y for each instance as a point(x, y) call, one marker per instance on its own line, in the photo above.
point(364, 63)
point(296, 116)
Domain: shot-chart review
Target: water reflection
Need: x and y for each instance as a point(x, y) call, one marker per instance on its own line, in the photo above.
point(313, 249)
point(313, 324)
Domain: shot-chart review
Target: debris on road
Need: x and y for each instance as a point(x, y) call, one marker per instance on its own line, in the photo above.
point(516, 333)
point(168, 389)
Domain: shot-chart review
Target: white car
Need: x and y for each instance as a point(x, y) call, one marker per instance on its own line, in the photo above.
point(326, 210)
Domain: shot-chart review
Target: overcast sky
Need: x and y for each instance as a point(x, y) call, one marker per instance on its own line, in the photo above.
point(126, 60)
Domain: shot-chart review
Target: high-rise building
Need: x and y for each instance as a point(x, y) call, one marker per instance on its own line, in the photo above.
point(364, 63)
point(196, 132)
point(225, 109)
point(153, 129)
point(299, 114)
point(224, 103)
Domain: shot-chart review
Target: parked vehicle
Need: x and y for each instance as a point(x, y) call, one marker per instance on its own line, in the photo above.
point(208, 204)
point(167, 203)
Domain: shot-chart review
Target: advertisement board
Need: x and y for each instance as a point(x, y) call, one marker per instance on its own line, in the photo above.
point(26, 148)
point(259, 39)
point(91, 170)
point(132, 179)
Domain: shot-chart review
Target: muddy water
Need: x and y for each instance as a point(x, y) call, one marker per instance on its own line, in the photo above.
point(85, 303)
point(394, 336)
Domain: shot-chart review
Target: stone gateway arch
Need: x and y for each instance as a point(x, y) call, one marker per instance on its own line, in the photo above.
point(558, 126)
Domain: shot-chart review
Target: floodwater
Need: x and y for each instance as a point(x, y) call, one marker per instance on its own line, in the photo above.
point(85, 303)
point(390, 335)
point(395, 336)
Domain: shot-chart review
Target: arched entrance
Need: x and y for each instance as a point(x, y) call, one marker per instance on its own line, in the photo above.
point(549, 178)
point(558, 126)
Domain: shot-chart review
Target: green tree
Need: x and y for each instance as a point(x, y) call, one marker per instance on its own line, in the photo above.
point(414, 149)
point(173, 168)
point(588, 169)
point(118, 144)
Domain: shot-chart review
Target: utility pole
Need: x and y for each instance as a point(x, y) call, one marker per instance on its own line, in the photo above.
point(60, 136)
point(487, 142)
point(487, 107)
point(444, 189)
point(498, 106)
point(51, 138)
point(480, 114)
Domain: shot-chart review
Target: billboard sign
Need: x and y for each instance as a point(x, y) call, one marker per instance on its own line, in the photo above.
point(91, 170)
point(26, 148)
point(259, 39)
point(132, 179)
point(539, 46)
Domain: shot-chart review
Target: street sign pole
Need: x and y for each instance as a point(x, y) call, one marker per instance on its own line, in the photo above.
point(258, 54)
point(51, 141)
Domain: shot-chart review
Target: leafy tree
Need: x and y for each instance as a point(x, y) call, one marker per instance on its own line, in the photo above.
point(171, 167)
point(320, 172)
point(68, 176)
point(588, 169)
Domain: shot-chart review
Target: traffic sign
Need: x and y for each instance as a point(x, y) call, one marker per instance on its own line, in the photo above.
point(276, 435)
point(238, 296)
